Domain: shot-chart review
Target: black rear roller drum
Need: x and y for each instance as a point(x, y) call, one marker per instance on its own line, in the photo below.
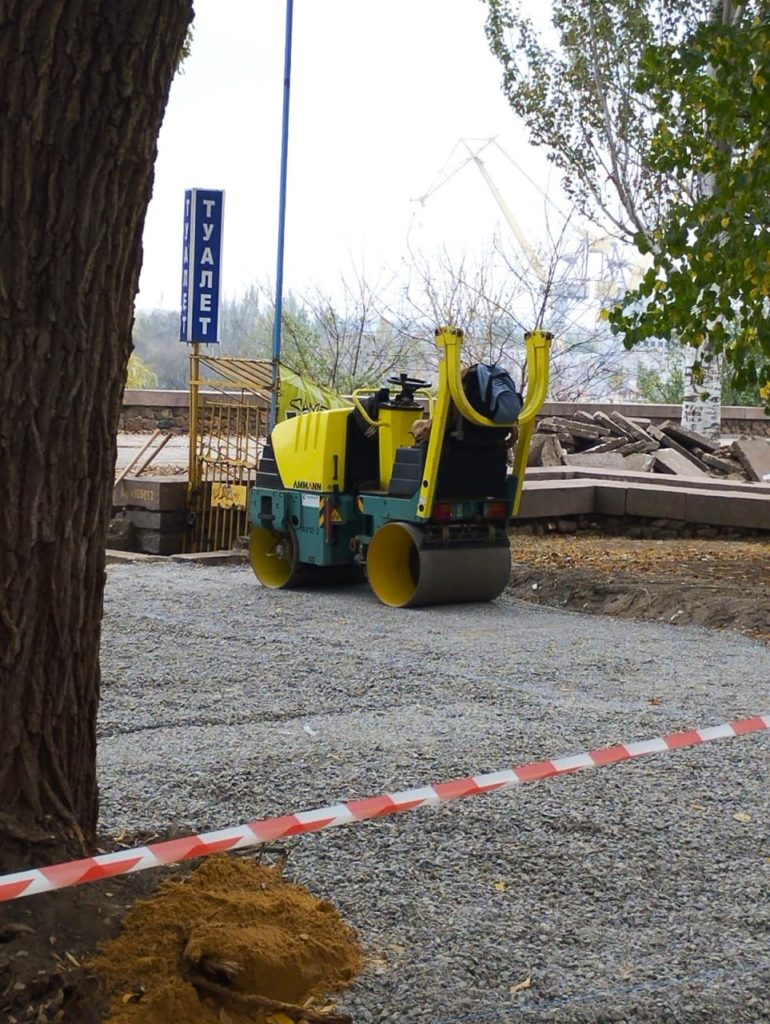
point(403, 571)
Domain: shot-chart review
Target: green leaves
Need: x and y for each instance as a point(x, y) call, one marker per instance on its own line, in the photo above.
point(710, 279)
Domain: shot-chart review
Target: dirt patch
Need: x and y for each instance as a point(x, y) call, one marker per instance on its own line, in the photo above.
point(228, 943)
point(233, 936)
point(45, 940)
point(720, 584)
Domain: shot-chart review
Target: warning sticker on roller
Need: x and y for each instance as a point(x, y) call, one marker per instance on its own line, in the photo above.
point(337, 516)
point(311, 500)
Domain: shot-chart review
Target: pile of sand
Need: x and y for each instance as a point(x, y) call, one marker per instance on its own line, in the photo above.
point(207, 948)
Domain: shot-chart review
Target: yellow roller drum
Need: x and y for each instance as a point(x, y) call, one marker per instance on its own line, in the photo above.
point(276, 564)
point(273, 557)
point(405, 570)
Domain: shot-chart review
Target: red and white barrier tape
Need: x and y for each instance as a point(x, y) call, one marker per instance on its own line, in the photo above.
point(60, 876)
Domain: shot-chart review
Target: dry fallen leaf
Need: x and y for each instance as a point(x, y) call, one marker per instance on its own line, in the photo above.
point(500, 886)
point(742, 816)
point(527, 983)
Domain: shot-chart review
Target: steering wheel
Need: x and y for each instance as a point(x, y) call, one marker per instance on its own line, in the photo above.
point(408, 385)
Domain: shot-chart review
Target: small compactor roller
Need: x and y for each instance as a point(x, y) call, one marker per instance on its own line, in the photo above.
point(345, 490)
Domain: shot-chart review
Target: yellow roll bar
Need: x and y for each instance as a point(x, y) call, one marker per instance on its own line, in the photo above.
point(449, 341)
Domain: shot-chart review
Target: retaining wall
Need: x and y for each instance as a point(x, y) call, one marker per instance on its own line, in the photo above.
point(170, 410)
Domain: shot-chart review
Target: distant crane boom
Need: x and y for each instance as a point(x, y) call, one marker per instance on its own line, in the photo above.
point(521, 238)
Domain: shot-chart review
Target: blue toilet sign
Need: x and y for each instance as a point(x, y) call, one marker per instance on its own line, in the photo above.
point(201, 265)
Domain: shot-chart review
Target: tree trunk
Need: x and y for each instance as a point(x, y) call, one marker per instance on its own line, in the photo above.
point(702, 401)
point(84, 87)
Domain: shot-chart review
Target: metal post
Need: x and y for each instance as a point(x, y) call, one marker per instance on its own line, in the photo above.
point(281, 217)
point(193, 489)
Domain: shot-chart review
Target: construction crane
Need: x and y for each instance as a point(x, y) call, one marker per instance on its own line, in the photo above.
point(610, 284)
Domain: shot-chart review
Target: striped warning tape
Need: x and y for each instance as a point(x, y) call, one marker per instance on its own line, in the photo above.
point(91, 869)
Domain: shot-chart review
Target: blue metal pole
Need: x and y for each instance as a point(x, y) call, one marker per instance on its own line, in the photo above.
point(281, 215)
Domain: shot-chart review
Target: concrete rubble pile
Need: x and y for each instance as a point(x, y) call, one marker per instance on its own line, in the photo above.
point(615, 441)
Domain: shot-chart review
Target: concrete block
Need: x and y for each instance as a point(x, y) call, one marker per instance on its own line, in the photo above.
point(717, 508)
point(153, 542)
point(554, 498)
point(754, 455)
point(610, 499)
point(120, 535)
point(656, 502)
point(156, 493)
point(165, 522)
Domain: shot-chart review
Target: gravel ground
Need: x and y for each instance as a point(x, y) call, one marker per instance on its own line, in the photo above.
point(629, 893)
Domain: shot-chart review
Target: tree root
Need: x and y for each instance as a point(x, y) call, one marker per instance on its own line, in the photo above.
point(296, 1013)
point(14, 829)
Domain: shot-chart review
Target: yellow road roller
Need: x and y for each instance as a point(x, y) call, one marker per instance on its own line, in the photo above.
point(409, 487)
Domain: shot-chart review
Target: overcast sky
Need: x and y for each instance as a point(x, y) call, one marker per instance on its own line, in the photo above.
point(382, 90)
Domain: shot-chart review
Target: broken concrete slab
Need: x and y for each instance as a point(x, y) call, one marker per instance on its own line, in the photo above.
point(688, 438)
point(585, 431)
point(669, 461)
point(610, 445)
point(535, 449)
point(552, 453)
point(604, 460)
point(639, 446)
point(583, 416)
point(640, 461)
point(754, 455)
point(603, 420)
point(666, 441)
point(631, 428)
point(722, 464)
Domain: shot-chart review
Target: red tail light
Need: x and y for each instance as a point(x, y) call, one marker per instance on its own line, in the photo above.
point(496, 510)
point(442, 511)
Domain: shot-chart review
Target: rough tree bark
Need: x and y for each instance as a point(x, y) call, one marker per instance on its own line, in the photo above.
point(83, 87)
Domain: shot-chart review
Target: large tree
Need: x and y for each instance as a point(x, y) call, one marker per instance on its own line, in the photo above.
point(84, 85)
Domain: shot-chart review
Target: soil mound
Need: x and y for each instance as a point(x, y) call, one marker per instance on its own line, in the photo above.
point(232, 941)
point(713, 583)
